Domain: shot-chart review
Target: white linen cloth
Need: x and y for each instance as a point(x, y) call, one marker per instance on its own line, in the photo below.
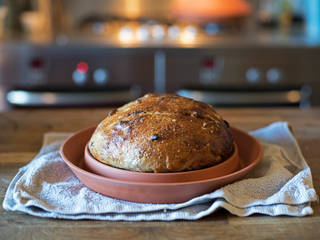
point(281, 184)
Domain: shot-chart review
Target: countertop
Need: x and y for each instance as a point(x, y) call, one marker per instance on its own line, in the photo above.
point(21, 133)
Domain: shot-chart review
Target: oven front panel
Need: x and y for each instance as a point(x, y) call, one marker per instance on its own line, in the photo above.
point(84, 68)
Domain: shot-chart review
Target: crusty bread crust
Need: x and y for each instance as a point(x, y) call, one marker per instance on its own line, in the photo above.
point(162, 133)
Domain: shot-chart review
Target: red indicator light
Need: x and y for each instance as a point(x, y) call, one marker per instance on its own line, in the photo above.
point(208, 63)
point(36, 63)
point(82, 67)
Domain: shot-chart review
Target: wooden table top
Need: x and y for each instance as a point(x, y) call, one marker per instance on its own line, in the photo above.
point(21, 133)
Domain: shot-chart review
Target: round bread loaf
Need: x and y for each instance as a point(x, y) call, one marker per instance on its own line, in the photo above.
point(162, 133)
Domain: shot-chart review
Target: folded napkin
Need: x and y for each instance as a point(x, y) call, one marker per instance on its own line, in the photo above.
point(281, 184)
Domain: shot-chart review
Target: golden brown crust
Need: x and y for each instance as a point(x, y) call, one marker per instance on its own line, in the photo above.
point(162, 133)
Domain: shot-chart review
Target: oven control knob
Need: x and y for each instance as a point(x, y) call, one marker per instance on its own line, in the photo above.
point(79, 78)
point(100, 76)
point(273, 75)
point(253, 75)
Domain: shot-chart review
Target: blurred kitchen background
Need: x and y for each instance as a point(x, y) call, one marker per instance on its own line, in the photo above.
point(108, 52)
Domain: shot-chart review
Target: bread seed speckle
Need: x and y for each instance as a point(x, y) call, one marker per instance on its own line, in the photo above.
point(154, 137)
point(194, 114)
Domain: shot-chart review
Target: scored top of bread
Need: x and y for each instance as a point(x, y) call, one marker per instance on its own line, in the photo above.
point(162, 133)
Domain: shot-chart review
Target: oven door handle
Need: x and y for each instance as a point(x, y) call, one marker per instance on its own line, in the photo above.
point(248, 98)
point(46, 98)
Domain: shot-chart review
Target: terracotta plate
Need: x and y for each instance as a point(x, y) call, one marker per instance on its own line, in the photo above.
point(72, 151)
point(226, 167)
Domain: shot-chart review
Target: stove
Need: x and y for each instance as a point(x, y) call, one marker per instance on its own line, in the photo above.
point(108, 59)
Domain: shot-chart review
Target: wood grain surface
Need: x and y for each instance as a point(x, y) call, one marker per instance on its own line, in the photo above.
point(21, 133)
